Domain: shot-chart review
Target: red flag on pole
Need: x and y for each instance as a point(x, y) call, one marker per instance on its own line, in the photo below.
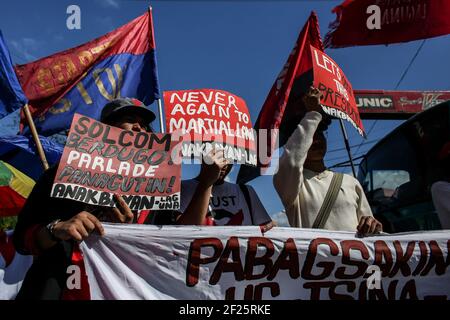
point(121, 63)
point(369, 22)
point(278, 111)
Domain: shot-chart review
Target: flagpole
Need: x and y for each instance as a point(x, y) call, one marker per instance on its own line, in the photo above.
point(347, 146)
point(34, 133)
point(161, 118)
point(160, 111)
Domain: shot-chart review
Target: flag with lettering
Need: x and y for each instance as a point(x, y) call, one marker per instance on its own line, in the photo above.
point(282, 109)
point(83, 79)
point(11, 94)
point(369, 22)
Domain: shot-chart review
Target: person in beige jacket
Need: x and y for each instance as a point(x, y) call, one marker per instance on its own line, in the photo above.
point(302, 180)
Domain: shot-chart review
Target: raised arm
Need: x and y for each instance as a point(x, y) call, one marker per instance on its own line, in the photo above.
point(197, 209)
point(289, 177)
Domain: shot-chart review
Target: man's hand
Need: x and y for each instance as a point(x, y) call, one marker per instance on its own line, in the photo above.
point(121, 214)
point(123, 211)
point(369, 225)
point(312, 100)
point(78, 227)
point(212, 164)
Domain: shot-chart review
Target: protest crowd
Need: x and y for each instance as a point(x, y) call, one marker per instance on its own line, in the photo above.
point(116, 170)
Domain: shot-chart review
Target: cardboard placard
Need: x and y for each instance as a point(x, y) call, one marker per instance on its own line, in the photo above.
point(338, 98)
point(207, 118)
point(101, 160)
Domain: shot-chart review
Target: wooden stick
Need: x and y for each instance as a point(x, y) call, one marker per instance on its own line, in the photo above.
point(34, 133)
point(347, 146)
point(153, 45)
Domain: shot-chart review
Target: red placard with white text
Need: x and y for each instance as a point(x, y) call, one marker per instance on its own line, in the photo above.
point(99, 161)
point(338, 99)
point(207, 118)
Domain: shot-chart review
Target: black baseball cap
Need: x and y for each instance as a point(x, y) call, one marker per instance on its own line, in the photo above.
point(121, 106)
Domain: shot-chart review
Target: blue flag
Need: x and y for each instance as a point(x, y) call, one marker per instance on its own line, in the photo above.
point(11, 94)
point(20, 152)
point(83, 79)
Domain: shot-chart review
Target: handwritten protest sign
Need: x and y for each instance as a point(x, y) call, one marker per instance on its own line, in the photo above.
point(100, 160)
point(338, 98)
point(207, 118)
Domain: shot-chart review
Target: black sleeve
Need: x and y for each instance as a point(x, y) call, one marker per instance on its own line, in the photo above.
point(35, 211)
point(166, 217)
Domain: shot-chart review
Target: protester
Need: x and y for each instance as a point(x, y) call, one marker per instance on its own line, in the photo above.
point(49, 228)
point(305, 185)
point(440, 190)
point(210, 200)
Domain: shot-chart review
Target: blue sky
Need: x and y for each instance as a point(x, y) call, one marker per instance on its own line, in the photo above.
point(237, 46)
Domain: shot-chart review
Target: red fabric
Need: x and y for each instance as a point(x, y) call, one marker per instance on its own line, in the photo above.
point(209, 221)
point(47, 80)
point(143, 216)
point(11, 202)
point(236, 219)
point(299, 61)
point(30, 240)
point(7, 250)
point(401, 21)
point(84, 292)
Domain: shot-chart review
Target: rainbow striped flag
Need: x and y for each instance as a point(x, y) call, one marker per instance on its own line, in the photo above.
point(20, 167)
point(15, 187)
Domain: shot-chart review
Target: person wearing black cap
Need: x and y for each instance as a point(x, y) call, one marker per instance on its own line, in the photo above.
point(49, 228)
point(128, 114)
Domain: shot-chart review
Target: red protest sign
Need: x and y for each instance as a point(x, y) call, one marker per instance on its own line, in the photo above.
point(338, 99)
point(100, 160)
point(205, 118)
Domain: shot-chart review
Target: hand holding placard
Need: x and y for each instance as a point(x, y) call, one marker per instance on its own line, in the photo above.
point(212, 166)
point(312, 100)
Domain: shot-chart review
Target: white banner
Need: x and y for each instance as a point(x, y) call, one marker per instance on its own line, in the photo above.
point(171, 262)
point(13, 267)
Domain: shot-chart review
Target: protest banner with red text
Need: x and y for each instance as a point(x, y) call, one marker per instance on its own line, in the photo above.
point(207, 118)
point(338, 99)
point(100, 160)
point(284, 263)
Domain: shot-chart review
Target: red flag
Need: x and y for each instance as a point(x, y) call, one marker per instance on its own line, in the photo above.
point(83, 78)
point(370, 22)
point(294, 79)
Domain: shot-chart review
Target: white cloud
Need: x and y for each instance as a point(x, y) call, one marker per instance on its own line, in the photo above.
point(26, 48)
point(109, 3)
point(280, 218)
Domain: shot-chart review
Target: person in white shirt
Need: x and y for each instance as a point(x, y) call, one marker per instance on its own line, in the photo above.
point(440, 190)
point(302, 180)
point(210, 200)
